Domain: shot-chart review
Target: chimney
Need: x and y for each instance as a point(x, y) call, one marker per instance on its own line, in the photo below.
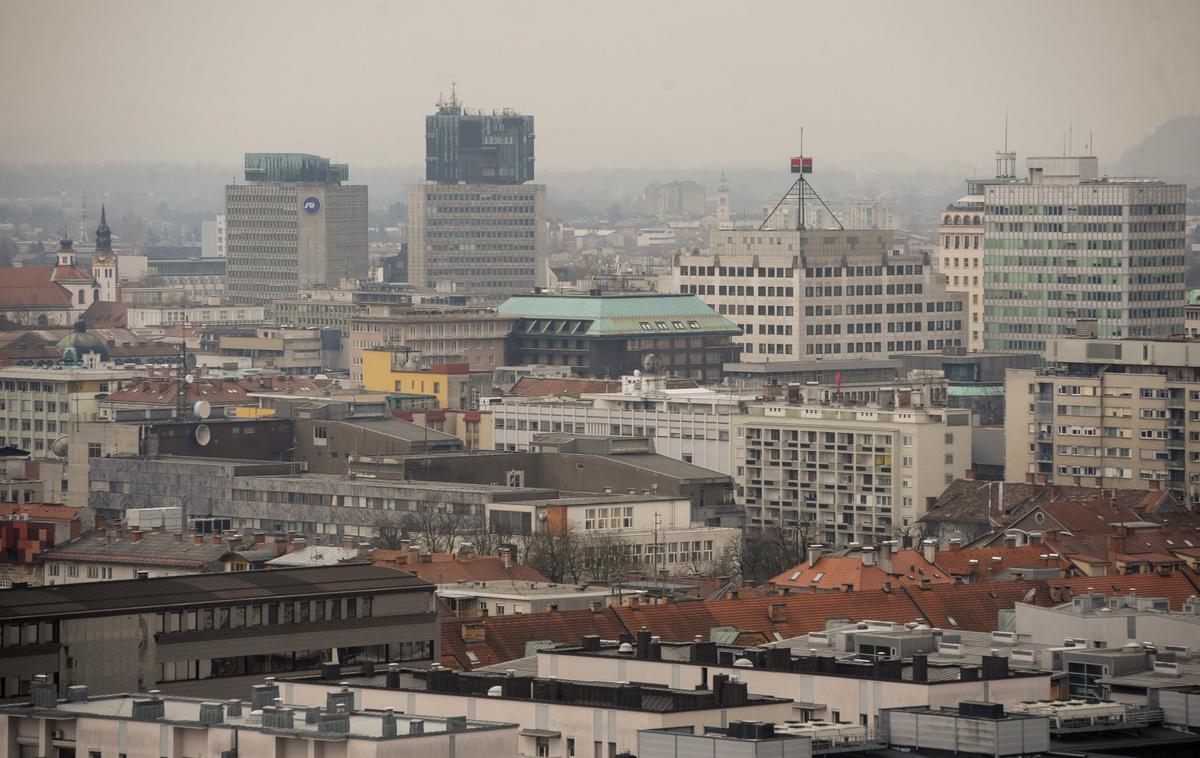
point(198, 538)
point(364, 551)
point(507, 555)
point(868, 556)
point(474, 632)
point(234, 543)
point(425, 557)
point(156, 529)
point(970, 475)
point(280, 544)
point(929, 550)
point(1116, 544)
point(1010, 541)
point(135, 534)
point(955, 545)
point(216, 540)
point(347, 543)
point(101, 521)
point(885, 555)
point(296, 544)
point(643, 643)
point(814, 555)
point(178, 537)
point(920, 668)
point(777, 612)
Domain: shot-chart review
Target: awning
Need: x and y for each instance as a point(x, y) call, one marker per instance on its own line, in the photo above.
point(540, 733)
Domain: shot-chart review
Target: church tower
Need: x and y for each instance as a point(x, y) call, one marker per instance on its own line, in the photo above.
point(724, 211)
point(104, 263)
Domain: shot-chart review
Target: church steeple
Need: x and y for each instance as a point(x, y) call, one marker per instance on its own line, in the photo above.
point(103, 234)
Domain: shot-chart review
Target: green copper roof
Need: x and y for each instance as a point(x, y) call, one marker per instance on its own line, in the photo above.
point(1193, 297)
point(618, 315)
point(986, 390)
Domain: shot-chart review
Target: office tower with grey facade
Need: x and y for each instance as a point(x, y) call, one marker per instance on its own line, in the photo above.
point(293, 224)
point(1065, 246)
point(476, 225)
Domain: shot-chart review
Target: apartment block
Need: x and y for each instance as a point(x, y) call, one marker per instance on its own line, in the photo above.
point(823, 293)
point(1108, 413)
point(1065, 244)
point(689, 425)
point(849, 473)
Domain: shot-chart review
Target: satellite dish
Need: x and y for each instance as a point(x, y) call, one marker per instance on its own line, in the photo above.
point(59, 446)
point(202, 409)
point(189, 378)
point(203, 435)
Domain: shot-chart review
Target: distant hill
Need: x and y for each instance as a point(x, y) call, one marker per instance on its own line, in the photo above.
point(1170, 151)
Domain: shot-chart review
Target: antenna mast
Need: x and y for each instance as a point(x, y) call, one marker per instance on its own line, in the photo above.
point(83, 216)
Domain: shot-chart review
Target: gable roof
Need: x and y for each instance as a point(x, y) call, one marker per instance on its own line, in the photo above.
point(976, 502)
point(104, 314)
point(957, 562)
point(32, 287)
point(835, 572)
point(448, 568)
point(153, 549)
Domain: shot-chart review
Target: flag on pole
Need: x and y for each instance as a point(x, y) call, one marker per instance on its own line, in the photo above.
point(801, 165)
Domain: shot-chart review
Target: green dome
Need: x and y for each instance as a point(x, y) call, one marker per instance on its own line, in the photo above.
point(80, 342)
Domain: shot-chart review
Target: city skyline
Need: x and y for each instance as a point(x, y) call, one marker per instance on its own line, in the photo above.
point(884, 98)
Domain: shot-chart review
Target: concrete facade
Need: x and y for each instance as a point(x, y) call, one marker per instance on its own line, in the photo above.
point(960, 260)
point(823, 293)
point(287, 235)
point(474, 336)
point(1108, 413)
point(1064, 244)
point(488, 239)
point(857, 474)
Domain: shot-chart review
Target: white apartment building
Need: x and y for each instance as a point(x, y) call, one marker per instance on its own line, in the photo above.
point(558, 718)
point(689, 425)
point(40, 405)
point(1066, 244)
point(656, 532)
point(137, 725)
point(823, 292)
point(856, 473)
point(147, 316)
point(843, 693)
point(960, 260)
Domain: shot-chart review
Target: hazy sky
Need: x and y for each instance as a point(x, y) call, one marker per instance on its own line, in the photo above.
point(612, 84)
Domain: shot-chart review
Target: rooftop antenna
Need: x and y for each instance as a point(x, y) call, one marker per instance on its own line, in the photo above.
point(1071, 138)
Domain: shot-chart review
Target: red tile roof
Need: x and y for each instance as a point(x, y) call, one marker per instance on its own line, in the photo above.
point(974, 607)
point(107, 315)
point(32, 286)
point(73, 273)
point(536, 386)
point(957, 562)
point(505, 636)
point(836, 572)
point(39, 512)
point(445, 568)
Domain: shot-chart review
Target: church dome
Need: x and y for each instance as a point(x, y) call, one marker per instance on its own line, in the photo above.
point(81, 341)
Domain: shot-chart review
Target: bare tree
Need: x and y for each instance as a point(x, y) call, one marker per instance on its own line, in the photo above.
point(558, 556)
point(389, 533)
point(439, 531)
point(606, 555)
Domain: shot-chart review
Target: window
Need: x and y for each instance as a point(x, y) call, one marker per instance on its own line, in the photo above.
point(93, 450)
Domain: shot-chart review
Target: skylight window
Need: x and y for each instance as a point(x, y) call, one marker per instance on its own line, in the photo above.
point(795, 576)
point(952, 621)
point(818, 577)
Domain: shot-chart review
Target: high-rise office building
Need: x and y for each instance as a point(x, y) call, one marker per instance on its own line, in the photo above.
point(1065, 244)
point(478, 147)
point(476, 225)
point(292, 225)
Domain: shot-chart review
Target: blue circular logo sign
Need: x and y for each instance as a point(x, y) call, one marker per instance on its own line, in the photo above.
point(311, 205)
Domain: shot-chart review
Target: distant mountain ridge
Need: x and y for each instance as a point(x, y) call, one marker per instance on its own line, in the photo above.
point(1171, 151)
